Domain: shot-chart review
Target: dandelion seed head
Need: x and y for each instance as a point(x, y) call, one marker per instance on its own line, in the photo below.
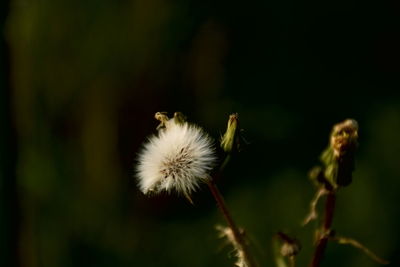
point(178, 158)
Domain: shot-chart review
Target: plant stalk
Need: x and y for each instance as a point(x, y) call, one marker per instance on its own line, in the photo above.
point(325, 230)
point(231, 223)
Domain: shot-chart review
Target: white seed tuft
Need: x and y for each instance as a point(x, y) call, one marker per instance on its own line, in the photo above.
point(178, 158)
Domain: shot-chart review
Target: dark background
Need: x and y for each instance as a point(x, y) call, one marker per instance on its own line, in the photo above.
point(81, 81)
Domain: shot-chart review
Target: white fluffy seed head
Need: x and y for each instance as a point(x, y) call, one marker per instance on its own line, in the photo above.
point(178, 158)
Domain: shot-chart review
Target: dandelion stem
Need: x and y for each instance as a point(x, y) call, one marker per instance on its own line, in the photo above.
point(231, 223)
point(323, 235)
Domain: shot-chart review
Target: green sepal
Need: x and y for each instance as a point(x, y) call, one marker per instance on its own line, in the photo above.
point(179, 118)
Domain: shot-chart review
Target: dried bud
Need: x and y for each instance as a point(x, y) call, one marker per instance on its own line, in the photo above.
point(163, 118)
point(344, 137)
point(338, 158)
point(230, 139)
point(290, 246)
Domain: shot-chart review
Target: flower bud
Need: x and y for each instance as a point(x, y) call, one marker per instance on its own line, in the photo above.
point(338, 158)
point(344, 137)
point(230, 139)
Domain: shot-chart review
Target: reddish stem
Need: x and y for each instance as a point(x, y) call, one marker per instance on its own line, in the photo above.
point(325, 230)
point(231, 223)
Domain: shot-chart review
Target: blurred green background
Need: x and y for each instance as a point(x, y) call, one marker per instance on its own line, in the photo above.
point(81, 81)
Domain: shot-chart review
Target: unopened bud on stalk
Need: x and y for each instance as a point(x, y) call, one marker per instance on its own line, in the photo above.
point(338, 158)
point(344, 137)
point(230, 141)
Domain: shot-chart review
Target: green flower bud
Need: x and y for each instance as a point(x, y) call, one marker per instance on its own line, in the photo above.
point(230, 139)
